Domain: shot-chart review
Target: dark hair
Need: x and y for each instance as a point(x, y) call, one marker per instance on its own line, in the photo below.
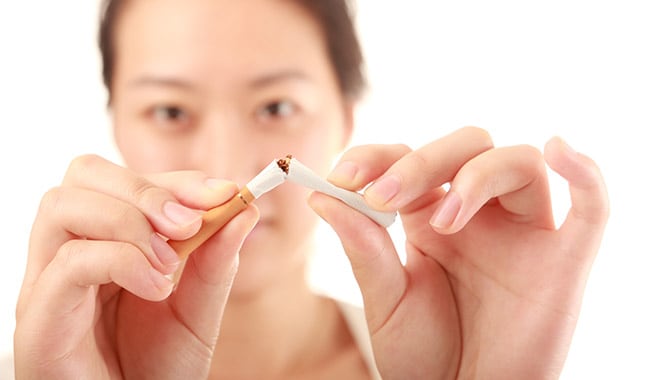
point(334, 17)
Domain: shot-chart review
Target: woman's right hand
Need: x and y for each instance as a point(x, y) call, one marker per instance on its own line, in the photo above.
point(96, 302)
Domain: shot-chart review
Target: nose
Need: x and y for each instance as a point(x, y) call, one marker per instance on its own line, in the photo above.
point(226, 148)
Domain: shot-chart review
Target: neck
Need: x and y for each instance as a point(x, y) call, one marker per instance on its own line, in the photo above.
point(274, 331)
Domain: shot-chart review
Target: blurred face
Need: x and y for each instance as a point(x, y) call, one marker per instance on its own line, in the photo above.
point(225, 87)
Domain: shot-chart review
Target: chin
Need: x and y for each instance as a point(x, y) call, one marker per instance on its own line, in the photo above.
point(267, 262)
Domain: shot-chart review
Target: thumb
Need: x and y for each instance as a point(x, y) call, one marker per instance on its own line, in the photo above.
point(205, 285)
point(374, 260)
point(589, 200)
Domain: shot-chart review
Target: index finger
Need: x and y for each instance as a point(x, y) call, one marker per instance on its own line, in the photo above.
point(160, 206)
point(428, 167)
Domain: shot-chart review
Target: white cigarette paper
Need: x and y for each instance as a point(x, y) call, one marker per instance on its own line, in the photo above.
point(274, 175)
point(268, 179)
point(304, 176)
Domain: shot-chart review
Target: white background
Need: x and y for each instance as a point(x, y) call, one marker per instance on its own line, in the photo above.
point(523, 70)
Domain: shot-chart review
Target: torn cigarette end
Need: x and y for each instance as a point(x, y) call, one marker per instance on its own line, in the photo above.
point(284, 163)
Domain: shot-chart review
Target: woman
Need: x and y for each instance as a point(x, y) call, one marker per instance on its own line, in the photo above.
point(207, 92)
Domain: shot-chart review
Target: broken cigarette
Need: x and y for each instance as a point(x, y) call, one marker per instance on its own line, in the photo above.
point(215, 218)
point(272, 176)
point(300, 174)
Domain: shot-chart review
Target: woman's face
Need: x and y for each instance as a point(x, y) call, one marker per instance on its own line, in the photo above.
point(225, 87)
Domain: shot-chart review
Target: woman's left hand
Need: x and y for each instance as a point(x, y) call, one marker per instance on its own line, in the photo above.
point(491, 288)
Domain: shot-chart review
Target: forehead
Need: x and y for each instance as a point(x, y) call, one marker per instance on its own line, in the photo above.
point(205, 37)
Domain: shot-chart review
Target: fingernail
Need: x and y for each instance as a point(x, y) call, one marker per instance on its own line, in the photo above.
point(160, 281)
point(344, 172)
point(180, 215)
point(447, 211)
point(384, 189)
point(163, 251)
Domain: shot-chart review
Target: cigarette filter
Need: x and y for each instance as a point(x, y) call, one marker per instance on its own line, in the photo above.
point(213, 220)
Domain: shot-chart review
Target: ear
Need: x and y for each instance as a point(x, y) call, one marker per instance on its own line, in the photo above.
point(349, 108)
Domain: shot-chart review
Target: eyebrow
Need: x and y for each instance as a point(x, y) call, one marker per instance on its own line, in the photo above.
point(279, 76)
point(164, 81)
point(261, 81)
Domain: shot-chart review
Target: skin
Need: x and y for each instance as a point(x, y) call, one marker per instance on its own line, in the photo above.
point(236, 99)
point(491, 288)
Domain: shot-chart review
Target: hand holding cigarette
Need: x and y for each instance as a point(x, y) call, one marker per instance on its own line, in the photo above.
point(273, 175)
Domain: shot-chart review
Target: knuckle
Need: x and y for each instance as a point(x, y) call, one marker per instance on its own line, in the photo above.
point(401, 149)
point(600, 209)
point(478, 174)
point(131, 218)
point(127, 253)
point(84, 163)
point(605, 206)
point(595, 215)
point(602, 213)
point(531, 151)
point(479, 136)
point(360, 151)
point(69, 257)
point(531, 156)
point(417, 161)
point(51, 200)
point(143, 192)
point(82, 166)
point(84, 263)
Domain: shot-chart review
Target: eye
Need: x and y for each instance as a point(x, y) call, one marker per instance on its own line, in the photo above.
point(169, 115)
point(277, 109)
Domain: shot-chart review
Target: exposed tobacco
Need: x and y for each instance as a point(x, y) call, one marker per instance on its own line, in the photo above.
point(283, 163)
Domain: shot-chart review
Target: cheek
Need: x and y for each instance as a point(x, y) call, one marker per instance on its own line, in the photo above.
point(318, 149)
point(142, 152)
